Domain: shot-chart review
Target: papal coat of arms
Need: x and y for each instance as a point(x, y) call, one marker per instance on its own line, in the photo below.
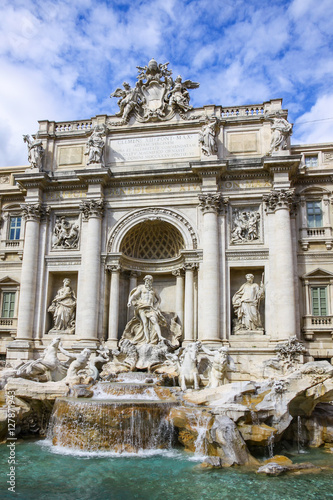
point(156, 96)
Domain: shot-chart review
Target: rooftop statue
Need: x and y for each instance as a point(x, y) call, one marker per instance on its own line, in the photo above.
point(155, 96)
point(281, 130)
point(95, 145)
point(35, 151)
point(207, 137)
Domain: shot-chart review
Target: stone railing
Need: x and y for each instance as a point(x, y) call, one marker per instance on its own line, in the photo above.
point(6, 322)
point(14, 243)
point(321, 320)
point(81, 126)
point(316, 235)
point(313, 325)
point(243, 111)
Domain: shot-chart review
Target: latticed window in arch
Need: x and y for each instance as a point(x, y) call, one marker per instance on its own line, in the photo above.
point(152, 240)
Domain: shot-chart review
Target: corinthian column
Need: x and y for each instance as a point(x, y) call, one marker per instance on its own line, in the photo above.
point(88, 295)
point(114, 306)
point(280, 297)
point(189, 302)
point(210, 290)
point(179, 295)
point(32, 214)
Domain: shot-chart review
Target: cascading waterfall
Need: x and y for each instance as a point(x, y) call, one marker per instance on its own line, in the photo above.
point(200, 425)
point(300, 436)
point(270, 445)
point(119, 418)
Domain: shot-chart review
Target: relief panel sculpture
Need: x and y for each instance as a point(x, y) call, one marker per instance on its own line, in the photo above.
point(66, 234)
point(245, 225)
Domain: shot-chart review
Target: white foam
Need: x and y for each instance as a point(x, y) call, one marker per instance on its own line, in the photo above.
point(75, 452)
point(148, 394)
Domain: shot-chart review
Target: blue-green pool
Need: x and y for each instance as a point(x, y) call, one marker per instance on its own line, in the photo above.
point(44, 472)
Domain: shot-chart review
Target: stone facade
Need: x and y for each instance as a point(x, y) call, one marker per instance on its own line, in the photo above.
point(197, 198)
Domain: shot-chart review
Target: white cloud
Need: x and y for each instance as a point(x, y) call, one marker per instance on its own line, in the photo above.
point(316, 125)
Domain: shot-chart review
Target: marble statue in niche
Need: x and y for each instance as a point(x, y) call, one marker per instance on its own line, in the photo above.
point(281, 130)
point(63, 308)
point(35, 151)
point(65, 234)
point(246, 303)
point(149, 336)
point(245, 225)
point(95, 145)
point(145, 327)
point(207, 137)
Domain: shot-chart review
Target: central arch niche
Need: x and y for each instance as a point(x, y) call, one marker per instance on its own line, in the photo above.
point(152, 240)
point(157, 241)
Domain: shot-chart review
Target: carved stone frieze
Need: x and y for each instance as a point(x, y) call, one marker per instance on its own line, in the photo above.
point(66, 234)
point(244, 256)
point(155, 96)
point(92, 208)
point(281, 199)
point(245, 225)
point(34, 211)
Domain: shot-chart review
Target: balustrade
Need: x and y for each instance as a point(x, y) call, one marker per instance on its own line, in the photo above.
point(83, 126)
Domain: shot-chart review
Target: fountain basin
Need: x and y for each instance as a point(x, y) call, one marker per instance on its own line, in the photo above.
point(123, 390)
point(111, 425)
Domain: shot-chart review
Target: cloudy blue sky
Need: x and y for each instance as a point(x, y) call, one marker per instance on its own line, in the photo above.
point(61, 59)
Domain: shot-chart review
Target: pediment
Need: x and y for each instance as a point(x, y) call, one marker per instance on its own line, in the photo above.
point(9, 281)
point(318, 273)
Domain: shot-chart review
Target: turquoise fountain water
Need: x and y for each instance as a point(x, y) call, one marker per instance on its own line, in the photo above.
point(72, 465)
point(44, 471)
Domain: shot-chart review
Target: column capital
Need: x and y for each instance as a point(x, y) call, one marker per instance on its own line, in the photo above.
point(113, 268)
point(92, 208)
point(211, 202)
point(34, 211)
point(177, 272)
point(135, 274)
point(279, 199)
point(190, 266)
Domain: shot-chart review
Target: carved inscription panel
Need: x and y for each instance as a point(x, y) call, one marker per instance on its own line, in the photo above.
point(163, 147)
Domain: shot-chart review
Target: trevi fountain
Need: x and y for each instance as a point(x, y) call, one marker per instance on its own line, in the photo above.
point(166, 305)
